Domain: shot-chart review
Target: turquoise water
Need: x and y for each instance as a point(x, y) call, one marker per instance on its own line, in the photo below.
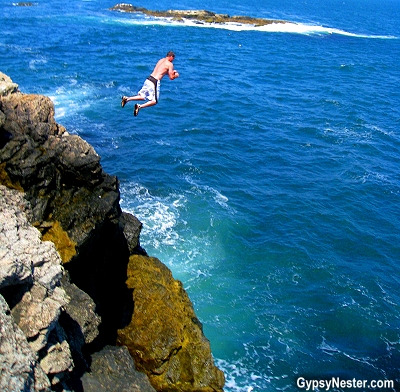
point(267, 177)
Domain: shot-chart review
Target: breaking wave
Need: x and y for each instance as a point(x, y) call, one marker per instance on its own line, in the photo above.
point(288, 27)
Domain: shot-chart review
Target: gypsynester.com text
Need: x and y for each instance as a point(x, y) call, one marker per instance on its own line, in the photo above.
point(336, 383)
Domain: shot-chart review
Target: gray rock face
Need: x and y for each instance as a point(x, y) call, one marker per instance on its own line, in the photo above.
point(82, 310)
point(19, 368)
point(131, 227)
point(7, 86)
point(15, 265)
point(113, 370)
point(23, 256)
point(31, 268)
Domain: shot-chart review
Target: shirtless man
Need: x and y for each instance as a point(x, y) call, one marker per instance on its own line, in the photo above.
point(151, 86)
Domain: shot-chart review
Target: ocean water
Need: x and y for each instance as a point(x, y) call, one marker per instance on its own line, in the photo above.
point(267, 177)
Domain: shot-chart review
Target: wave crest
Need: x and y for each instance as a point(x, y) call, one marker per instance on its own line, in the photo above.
point(275, 27)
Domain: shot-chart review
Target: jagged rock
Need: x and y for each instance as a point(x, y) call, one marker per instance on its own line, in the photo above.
point(15, 266)
point(60, 173)
point(113, 370)
point(28, 114)
point(23, 256)
point(19, 369)
point(7, 86)
point(37, 313)
point(165, 337)
point(82, 309)
point(131, 227)
point(30, 276)
point(58, 361)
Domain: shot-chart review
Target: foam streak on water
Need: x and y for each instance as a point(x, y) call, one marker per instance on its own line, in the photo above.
point(288, 27)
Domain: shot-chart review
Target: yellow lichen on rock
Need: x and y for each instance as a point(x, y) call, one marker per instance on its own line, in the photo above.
point(165, 337)
point(6, 180)
point(64, 245)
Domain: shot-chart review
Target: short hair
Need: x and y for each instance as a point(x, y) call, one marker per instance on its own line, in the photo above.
point(171, 54)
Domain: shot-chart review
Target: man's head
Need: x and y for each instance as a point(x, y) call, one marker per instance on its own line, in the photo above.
point(170, 55)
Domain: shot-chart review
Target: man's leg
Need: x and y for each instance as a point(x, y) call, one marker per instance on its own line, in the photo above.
point(145, 105)
point(127, 99)
point(148, 104)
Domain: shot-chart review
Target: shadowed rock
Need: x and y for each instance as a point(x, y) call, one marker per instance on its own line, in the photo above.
point(113, 370)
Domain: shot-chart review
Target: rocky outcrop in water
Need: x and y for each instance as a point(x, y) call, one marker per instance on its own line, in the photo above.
point(199, 16)
point(65, 246)
point(171, 349)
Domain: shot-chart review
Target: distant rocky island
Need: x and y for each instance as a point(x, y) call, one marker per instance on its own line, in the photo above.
point(199, 16)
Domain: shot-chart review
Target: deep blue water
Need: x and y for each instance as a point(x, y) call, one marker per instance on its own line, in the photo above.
point(267, 177)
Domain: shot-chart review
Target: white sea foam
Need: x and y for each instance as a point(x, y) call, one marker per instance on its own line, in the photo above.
point(238, 378)
point(34, 63)
point(158, 215)
point(71, 98)
point(191, 253)
point(288, 27)
point(161, 216)
point(217, 196)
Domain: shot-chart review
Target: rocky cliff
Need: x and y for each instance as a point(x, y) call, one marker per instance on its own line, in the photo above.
point(75, 313)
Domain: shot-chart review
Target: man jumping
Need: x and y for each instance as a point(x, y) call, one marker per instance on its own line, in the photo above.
point(151, 86)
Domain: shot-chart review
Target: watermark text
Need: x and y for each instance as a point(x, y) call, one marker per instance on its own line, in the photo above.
point(336, 382)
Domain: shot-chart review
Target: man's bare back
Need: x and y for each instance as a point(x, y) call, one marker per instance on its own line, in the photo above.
point(164, 66)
